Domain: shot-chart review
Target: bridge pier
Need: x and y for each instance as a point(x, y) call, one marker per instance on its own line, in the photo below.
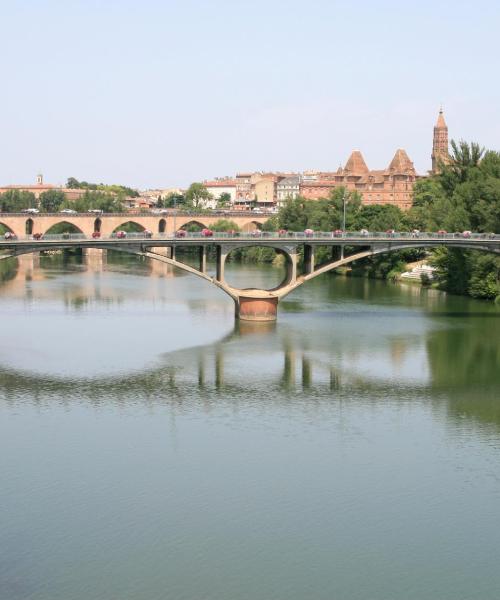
point(256, 309)
point(203, 259)
point(221, 261)
point(308, 259)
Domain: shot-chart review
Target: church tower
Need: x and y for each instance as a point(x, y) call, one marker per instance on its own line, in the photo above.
point(439, 142)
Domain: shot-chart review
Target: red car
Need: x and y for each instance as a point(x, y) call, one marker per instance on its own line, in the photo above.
point(121, 234)
point(96, 234)
point(207, 232)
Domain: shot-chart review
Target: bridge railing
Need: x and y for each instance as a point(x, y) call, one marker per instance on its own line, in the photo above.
point(256, 235)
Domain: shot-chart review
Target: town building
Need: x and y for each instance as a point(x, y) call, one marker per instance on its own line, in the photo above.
point(392, 185)
point(287, 188)
point(223, 185)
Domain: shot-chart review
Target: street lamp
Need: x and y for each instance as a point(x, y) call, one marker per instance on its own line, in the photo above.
point(344, 200)
point(175, 213)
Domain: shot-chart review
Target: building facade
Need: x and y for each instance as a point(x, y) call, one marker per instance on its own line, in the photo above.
point(286, 188)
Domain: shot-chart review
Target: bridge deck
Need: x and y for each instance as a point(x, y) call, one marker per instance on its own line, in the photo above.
point(251, 239)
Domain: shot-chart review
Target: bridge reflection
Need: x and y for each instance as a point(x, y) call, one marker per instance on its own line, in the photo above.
point(452, 363)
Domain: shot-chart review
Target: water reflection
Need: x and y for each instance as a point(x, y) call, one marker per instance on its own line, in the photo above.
point(337, 340)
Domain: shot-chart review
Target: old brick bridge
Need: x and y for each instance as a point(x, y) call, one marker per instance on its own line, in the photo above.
point(251, 304)
point(87, 223)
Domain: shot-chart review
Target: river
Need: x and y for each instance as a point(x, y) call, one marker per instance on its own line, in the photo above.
point(151, 449)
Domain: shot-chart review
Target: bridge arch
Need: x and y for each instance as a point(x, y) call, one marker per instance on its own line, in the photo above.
point(65, 226)
point(251, 226)
point(129, 226)
point(193, 225)
point(335, 264)
point(4, 228)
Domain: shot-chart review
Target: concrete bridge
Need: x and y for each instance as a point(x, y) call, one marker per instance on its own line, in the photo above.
point(254, 304)
point(87, 223)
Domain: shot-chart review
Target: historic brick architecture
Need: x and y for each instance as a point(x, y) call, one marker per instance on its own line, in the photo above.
point(439, 143)
point(393, 185)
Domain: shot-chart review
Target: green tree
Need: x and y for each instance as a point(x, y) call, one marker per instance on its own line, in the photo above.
point(197, 195)
point(224, 225)
point(52, 200)
point(16, 200)
point(224, 200)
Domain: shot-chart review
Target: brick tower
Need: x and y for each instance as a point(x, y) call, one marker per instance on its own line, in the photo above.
point(439, 143)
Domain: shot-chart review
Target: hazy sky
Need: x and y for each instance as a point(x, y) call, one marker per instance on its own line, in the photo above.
point(161, 93)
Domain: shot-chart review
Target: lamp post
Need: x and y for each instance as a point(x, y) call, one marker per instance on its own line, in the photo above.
point(175, 213)
point(344, 202)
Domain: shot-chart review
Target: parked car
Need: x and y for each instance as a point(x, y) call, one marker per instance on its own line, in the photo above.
point(121, 234)
point(9, 235)
point(96, 211)
point(68, 211)
point(159, 211)
point(32, 211)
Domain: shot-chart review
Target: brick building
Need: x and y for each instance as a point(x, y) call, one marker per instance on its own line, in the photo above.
point(392, 185)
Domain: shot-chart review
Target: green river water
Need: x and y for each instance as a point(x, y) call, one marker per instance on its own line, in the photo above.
point(150, 449)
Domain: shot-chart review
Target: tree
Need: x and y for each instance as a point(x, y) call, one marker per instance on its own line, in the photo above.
point(16, 200)
point(52, 200)
point(224, 200)
point(73, 183)
point(224, 225)
point(197, 196)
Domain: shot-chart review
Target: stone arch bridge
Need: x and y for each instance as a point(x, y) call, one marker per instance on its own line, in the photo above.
point(87, 223)
point(254, 304)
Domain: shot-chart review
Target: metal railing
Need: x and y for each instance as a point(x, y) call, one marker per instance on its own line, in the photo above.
point(354, 236)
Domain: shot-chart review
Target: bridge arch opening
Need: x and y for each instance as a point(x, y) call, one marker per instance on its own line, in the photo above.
point(251, 226)
point(162, 226)
point(4, 229)
point(28, 228)
point(193, 226)
point(265, 267)
point(130, 227)
point(63, 227)
point(97, 225)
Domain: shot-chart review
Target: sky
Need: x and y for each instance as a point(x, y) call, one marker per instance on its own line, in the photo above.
point(157, 93)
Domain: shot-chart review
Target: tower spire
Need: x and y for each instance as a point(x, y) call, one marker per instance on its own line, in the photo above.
point(439, 142)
